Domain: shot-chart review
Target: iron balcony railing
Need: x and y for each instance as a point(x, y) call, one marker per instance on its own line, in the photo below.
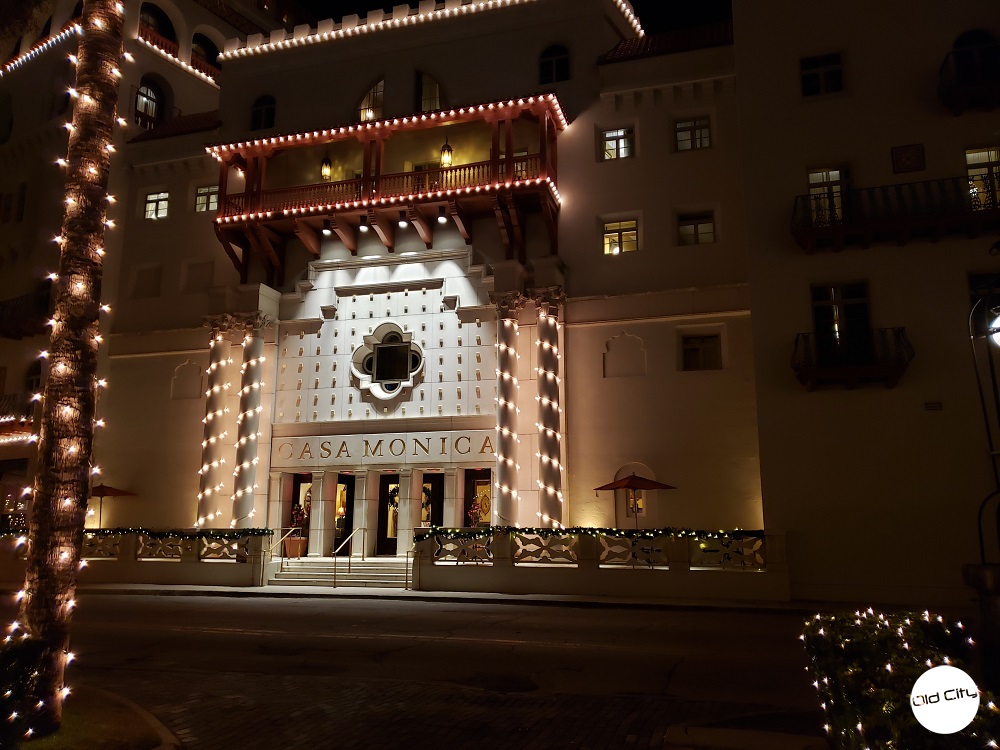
point(896, 212)
point(877, 355)
point(400, 185)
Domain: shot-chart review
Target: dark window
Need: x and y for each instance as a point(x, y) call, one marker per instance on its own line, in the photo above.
point(262, 113)
point(692, 134)
point(392, 363)
point(696, 229)
point(823, 74)
point(204, 49)
point(553, 65)
point(33, 378)
point(155, 19)
point(701, 352)
point(428, 93)
point(842, 325)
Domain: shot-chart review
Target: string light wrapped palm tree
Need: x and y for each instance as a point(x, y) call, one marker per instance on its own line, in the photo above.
point(64, 467)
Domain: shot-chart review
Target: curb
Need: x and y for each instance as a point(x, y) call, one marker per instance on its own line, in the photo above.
point(167, 740)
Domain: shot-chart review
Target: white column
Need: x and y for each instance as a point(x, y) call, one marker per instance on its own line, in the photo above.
point(549, 411)
point(361, 503)
point(505, 508)
point(317, 516)
point(452, 516)
point(274, 520)
point(404, 521)
point(248, 421)
point(212, 474)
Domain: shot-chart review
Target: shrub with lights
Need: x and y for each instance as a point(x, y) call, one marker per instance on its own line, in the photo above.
point(19, 658)
point(864, 665)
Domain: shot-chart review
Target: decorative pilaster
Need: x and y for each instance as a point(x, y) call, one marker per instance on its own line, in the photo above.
point(317, 516)
point(508, 305)
point(548, 302)
point(248, 420)
point(211, 474)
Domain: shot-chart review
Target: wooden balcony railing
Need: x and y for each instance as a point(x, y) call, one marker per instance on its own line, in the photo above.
point(205, 67)
point(900, 212)
point(401, 184)
point(167, 45)
point(970, 78)
point(880, 356)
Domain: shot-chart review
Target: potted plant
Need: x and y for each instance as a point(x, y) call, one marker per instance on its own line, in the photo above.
point(295, 543)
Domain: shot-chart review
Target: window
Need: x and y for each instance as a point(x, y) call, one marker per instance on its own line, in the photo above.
point(156, 20)
point(204, 49)
point(33, 378)
point(635, 504)
point(621, 237)
point(206, 198)
point(692, 134)
point(617, 144)
point(841, 324)
point(262, 113)
point(553, 65)
point(826, 187)
point(428, 93)
point(371, 106)
point(149, 104)
point(701, 352)
point(156, 205)
point(983, 165)
point(388, 362)
point(821, 75)
point(696, 229)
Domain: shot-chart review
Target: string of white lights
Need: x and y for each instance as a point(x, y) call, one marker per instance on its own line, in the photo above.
point(210, 483)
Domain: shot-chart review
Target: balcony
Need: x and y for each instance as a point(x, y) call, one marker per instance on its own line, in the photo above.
point(970, 78)
point(895, 213)
point(882, 357)
point(160, 42)
point(388, 173)
point(204, 67)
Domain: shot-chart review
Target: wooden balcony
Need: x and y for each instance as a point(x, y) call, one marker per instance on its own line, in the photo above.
point(896, 213)
point(255, 223)
point(970, 78)
point(161, 42)
point(881, 357)
point(205, 67)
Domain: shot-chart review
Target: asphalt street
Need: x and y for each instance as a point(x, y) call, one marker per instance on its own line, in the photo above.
point(224, 673)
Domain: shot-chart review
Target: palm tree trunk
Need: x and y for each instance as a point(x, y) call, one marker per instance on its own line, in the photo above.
point(62, 480)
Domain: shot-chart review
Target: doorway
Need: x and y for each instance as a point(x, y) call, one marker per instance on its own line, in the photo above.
point(477, 509)
point(343, 514)
point(388, 514)
point(432, 500)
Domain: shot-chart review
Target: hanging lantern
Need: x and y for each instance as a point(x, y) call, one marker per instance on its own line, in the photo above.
point(446, 153)
point(326, 169)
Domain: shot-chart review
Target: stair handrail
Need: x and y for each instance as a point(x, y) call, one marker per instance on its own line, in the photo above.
point(273, 547)
point(364, 537)
point(416, 556)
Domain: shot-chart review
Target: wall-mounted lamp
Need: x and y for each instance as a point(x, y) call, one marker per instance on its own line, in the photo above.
point(364, 224)
point(326, 169)
point(447, 152)
point(442, 217)
point(327, 229)
point(402, 220)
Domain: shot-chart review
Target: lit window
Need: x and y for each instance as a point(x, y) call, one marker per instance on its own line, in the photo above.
point(701, 352)
point(148, 105)
point(983, 165)
point(428, 93)
point(206, 198)
point(826, 188)
point(621, 237)
point(692, 134)
point(820, 75)
point(371, 106)
point(156, 205)
point(262, 113)
point(553, 65)
point(696, 229)
point(617, 144)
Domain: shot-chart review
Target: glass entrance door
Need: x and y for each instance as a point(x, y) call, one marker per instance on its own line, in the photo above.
point(388, 515)
point(344, 514)
point(432, 501)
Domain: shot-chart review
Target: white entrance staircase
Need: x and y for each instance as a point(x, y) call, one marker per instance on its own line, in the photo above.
point(374, 572)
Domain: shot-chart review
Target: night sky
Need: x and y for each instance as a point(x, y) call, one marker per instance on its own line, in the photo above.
point(656, 15)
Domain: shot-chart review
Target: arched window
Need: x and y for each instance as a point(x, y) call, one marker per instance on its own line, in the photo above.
point(46, 30)
point(553, 64)
point(204, 48)
point(262, 113)
point(150, 104)
point(976, 57)
point(428, 93)
point(156, 20)
point(371, 106)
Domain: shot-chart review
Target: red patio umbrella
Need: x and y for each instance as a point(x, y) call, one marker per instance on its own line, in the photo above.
point(630, 484)
point(101, 491)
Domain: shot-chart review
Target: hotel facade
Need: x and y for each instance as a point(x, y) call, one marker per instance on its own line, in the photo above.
point(458, 264)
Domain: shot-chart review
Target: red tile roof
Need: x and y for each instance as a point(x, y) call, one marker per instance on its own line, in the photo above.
point(194, 123)
point(671, 42)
